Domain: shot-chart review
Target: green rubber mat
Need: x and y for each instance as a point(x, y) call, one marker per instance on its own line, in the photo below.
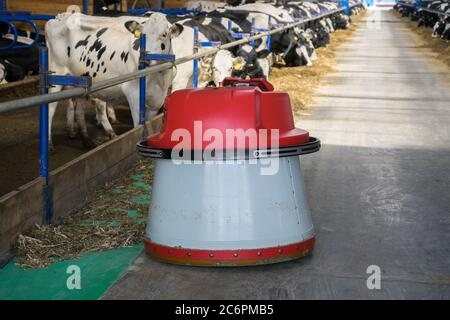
point(97, 272)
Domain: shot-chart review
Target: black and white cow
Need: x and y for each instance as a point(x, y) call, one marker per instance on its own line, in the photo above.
point(19, 62)
point(441, 27)
point(11, 72)
point(286, 43)
point(103, 48)
point(252, 63)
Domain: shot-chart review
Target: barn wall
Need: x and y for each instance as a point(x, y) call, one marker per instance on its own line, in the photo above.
point(46, 7)
point(19, 210)
point(58, 6)
point(51, 7)
point(75, 181)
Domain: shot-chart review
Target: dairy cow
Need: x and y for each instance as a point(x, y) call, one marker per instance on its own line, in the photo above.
point(103, 48)
point(211, 70)
point(19, 62)
point(287, 43)
point(11, 72)
point(441, 27)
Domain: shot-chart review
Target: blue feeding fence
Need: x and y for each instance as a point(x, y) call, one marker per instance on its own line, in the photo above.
point(346, 5)
point(240, 35)
point(269, 27)
point(145, 59)
point(418, 4)
point(253, 32)
point(9, 18)
point(48, 80)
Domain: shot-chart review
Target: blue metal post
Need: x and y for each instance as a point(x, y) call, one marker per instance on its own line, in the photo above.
point(43, 120)
point(43, 136)
point(418, 4)
point(346, 5)
point(86, 6)
point(269, 27)
point(252, 32)
point(195, 73)
point(142, 82)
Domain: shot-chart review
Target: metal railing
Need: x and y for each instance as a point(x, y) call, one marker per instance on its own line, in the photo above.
point(436, 12)
point(419, 5)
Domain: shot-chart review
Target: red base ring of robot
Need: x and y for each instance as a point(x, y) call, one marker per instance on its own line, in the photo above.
point(240, 257)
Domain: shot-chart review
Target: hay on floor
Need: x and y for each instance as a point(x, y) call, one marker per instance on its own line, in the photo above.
point(116, 217)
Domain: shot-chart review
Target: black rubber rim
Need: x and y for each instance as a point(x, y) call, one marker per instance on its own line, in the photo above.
point(312, 146)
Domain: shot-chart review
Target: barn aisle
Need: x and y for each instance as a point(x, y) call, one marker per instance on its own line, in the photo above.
point(378, 190)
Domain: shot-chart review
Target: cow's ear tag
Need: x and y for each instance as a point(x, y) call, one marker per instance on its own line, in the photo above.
point(137, 33)
point(238, 66)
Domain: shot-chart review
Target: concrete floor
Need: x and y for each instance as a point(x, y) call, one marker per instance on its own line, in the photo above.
point(379, 189)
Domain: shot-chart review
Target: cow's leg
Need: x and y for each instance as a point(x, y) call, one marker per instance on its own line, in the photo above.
point(265, 66)
point(101, 113)
point(304, 54)
point(183, 76)
point(51, 112)
point(70, 115)
point(330, 25)
point(313, 55)
point(131, 91)
point(158, 89)
point(111, 113)
point(79, 114)
point(98, 113)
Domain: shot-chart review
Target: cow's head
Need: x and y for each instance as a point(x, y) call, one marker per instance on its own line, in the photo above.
point(285, 43)
point(159, 32)
point(252, 66)
point(438, 28)
point(223, 65)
